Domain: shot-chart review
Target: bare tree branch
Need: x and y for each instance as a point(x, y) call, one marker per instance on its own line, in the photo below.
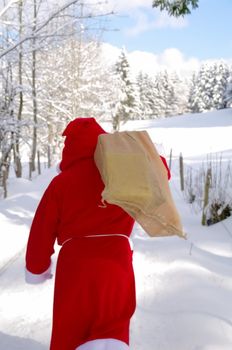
point(39, 28)
point(11, 2)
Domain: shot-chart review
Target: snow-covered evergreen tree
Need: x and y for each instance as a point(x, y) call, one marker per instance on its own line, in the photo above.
point(146, 87)
point(126, 106)
point(209, 87)
point(201, 99)
point(170, 95)
point(221, 75)
point(227, 97)
point(164, 96)
point(191, 107)
point(181, 86)
point(160, 88)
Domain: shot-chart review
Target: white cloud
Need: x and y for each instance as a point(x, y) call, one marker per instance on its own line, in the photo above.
point(174, 59)
point(144, 22)
point(171, 59)
point(125, 5)
point(145, 17)
point(164, 20)
point(143, 61)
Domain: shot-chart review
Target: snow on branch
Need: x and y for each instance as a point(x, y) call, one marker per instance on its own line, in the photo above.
point(45, 23)
point(12, 2)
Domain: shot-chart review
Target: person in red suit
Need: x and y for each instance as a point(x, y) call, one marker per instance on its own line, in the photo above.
point(94, 294)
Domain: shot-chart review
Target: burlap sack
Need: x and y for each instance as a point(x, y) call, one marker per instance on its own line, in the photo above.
point(136, 180)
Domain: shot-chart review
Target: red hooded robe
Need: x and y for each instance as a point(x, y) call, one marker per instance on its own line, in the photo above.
point(94, 293)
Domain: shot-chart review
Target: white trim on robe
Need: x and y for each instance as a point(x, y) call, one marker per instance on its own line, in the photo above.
point(104, 344)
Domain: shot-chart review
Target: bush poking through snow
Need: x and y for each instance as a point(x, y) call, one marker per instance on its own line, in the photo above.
point(218, 211)
point(208, 189)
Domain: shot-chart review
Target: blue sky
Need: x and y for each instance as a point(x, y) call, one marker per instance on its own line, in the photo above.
point(205, 34)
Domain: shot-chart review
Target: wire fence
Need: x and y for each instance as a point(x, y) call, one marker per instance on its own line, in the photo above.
point(207, 186)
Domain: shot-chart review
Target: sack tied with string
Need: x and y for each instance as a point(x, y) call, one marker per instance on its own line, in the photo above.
point(135, 179)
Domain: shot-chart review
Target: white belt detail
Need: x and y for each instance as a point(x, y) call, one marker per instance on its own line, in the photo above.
point(103, 235)
point(114, 234)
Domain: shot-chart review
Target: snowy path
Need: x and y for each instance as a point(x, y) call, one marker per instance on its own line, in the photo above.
point(25, 311)
point(183, 287)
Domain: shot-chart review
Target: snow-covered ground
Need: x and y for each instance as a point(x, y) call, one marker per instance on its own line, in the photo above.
point(184, 287)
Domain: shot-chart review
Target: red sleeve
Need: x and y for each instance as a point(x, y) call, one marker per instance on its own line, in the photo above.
point(166, 166)
point(43, 233)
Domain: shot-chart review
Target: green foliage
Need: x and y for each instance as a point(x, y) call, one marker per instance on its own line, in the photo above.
point(176, 8)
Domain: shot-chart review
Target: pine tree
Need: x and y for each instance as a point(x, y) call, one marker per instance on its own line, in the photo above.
point(221, 75)
point(146, 88)
point(172, 96)
point(192, 107)
point(159, 102)
point(126, 106)
point(181, 86)
point(227, 97)
point(209, 87)
point(169, 98)
point(202, 93)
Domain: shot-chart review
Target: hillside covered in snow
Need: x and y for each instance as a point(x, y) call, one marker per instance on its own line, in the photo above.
point(183, 286)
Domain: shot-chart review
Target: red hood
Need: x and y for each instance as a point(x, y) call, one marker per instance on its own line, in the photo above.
point(81, 140)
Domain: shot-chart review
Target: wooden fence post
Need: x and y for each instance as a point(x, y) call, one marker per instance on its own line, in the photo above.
point(181, 162)
point(206, 196)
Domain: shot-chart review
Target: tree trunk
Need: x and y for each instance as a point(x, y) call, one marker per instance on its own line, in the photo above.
point(17, 158)
point(35, 111)
point(116, 122)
